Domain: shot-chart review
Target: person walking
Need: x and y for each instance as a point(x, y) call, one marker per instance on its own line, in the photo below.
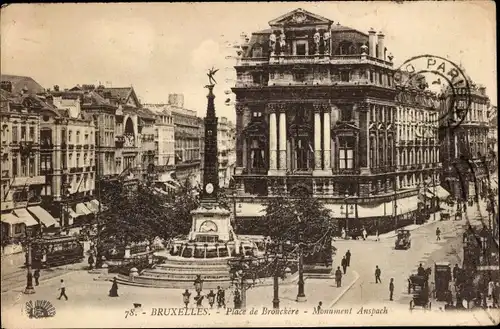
point(365, 233)
point(391, 289)
point(455, 271)
point(343, 263)
point(377, 275)
point(36, 275)
point(113, 292)
point(348, 257)
point(62, 288)
point(344, 234)
point(338, 277)
point(377, 238)
point(221, 298)
point(438, 234)
point(91, 261)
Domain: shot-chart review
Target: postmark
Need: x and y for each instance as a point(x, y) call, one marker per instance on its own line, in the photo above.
point(39, 309)
point(443, 77)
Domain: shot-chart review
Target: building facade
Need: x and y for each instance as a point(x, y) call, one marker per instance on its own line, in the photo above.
point(493, 138)
point(21, 181)
point(464, 143)
point(67, 159)
point(187, 141)
point(316, 113)
point(226, 150)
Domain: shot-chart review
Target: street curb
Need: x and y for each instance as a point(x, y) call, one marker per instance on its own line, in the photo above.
point(345, 290)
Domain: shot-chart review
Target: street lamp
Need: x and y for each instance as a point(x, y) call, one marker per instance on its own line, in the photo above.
point(198, 284)
point(301, 296)
point(29, 276)
point(346, 213)
point(185, 297)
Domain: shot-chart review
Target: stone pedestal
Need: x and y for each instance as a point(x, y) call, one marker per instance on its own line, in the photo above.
point(210, 222)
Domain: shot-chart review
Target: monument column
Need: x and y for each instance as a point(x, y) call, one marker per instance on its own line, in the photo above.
point(273, 140)
point(282, 139)
point(239, 139)
point(326, 140)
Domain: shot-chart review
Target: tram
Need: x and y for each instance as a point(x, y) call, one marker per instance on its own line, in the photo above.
point(56, 250)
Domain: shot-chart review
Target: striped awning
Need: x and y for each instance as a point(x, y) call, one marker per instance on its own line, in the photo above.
point(441, 193)
point(43, 216)
point(11, 219)
point(82, 210)
point(26, 217)
point(382, 209)
point(406, 205)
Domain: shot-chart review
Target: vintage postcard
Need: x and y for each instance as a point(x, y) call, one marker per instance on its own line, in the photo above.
point(251, 164)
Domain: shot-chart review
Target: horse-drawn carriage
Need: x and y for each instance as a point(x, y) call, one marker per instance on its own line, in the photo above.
point(419, 285)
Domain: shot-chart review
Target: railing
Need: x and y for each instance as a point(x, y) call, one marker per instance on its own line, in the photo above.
point(48, 171)
point(86, 146)
point(79, 147)
point(350, 171)
point(71, 146)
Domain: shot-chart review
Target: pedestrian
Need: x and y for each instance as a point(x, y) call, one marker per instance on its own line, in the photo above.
point(36, 276)
point(491, 287)
point(420, 270)
point(343, 263)
point(319, 307)
point(377, 238)
point(438, 234)
point(338, 277)
point(62, 288)
point(344, 233)
point(496, 294)
point(221, 298)
point(377, 275)
point(348, 257)
point(91, 261)
point(365, 234)
point(391, 289)
point(113, 292)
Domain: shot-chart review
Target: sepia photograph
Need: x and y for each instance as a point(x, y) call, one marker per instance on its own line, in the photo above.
point(249, 164)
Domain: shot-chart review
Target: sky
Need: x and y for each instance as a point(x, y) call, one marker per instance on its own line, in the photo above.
point(163, 48)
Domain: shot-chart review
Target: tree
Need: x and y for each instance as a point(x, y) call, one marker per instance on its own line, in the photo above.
point(286, 216)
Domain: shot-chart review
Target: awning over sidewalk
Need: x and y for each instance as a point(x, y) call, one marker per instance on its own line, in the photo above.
point(81, 210)
point(407, 205)
point(43, 216)
point(11, 219)
point(441, 193)
point(71, 213)
point(382, 209)
point(247, 209)
point(26, 217)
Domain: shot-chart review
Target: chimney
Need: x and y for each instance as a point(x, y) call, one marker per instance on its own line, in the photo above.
point(56, 88)
point(381, 47)
point(372, 43)
point(6, 85)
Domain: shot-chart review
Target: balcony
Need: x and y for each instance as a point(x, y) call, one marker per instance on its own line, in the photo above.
point(64, 145)
point(417, 142)
point(351, 171)
point(79, 147)
point(46, 171)
point(71, 146)
point(86, 146)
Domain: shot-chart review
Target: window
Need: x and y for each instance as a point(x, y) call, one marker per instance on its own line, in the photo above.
point(69, 136)
point(14, 134)
point(77, 137)
point(301, 49)
point(18, 228)
point(23, 133)
point(23, 167)
point(371, 76)
point(14, 166)
point(346, 153)
point(32, 133)
point(32, 167)
point(300, 76)
point(256, 77)
point(344, 76)
point(346, 113)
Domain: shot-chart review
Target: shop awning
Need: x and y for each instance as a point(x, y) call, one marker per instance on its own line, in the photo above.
point(11, 219)
point(428, 194)
point(43, 216)
point(441, 193)
point(493, 183)
point(26, 217)
point(407, 205)
point(247, 209)
point(90, 206)
point(382, 209)
point(81, 210)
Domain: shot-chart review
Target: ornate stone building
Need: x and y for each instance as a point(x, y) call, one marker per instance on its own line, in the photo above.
point(316, 112)
point(464, 144)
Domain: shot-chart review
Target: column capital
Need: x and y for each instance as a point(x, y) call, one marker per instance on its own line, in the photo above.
point(319, 107)
point(362, 106)
point(271, 107)
point(281, 108)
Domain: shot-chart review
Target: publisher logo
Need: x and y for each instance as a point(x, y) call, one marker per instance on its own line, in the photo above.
point(40, 309)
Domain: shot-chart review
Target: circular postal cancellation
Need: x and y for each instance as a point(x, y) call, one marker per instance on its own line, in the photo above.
point(444, 78)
